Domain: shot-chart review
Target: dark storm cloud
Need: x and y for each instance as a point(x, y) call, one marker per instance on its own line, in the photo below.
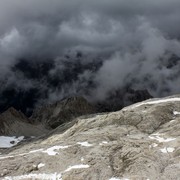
point(47, 27)
point(132, 42)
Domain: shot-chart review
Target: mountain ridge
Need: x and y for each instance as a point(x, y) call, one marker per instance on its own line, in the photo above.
point(141, 141)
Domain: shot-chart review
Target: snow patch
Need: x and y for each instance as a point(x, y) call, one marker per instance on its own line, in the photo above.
point(22, 154)
point(6, 157)
point(115, 178)
point(40, 165)
point(153, 145)
point(34, 151)
point(82, 159)
point(80, 166)
point(51, 151)
point(176, 113)
point(8, 142)
point(86, 144)
point(167, 150)
point(172, 121)
point(160, 139)
point(103, 142)
point(154, 102)
point(54, 176)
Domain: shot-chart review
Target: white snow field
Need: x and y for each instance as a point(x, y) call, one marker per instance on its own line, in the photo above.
point(8, 142)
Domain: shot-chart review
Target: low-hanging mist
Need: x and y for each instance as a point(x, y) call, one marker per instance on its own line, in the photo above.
point(54, 49)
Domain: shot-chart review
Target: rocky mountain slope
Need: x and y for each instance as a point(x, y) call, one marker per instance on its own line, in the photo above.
point(61, 112)
point(140, 142)
point(15, 123)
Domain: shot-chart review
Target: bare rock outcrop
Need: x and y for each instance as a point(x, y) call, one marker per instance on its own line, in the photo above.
point(139, 142)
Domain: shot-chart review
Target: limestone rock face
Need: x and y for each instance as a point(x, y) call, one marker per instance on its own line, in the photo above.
point(140, 142)
point(15, 123)
point(63, 111)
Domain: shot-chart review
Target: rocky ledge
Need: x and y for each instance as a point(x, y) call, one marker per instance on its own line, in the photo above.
point(140, 142)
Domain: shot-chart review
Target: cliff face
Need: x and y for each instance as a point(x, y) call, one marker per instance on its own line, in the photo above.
point(139, 142)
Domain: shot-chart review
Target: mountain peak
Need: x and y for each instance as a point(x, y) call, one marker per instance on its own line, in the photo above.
point(62, 111)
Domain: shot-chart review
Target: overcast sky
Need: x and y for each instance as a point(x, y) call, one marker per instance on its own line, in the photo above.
point(135, 38)
point(50, 27)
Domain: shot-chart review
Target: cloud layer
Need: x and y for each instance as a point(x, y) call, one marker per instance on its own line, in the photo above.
point(60, 48)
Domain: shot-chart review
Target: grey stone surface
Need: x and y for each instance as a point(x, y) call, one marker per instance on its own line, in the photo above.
point(140, 142)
